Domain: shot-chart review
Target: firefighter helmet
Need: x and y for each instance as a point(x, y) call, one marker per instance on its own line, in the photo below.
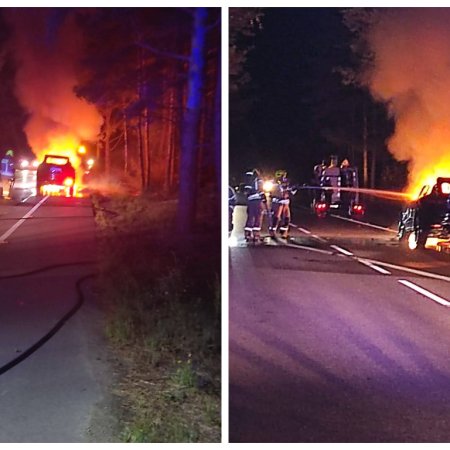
point(345, 163)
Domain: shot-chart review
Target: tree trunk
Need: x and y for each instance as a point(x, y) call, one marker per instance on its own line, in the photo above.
point(147, 148)
point(125, 143)
point(107, 118)
point(373, 160)
point(166, 141)
point(217, 125)
point(189, 140)
point(141, 151)
point(365, 151)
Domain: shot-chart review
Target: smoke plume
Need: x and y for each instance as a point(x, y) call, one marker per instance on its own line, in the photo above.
point(47, 46)
point(411, 73)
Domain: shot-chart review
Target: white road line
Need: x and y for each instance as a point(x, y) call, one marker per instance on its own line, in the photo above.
point(424, 292)
point(342, 250)
point(304, 230)
point(408, 269)
point(364, 223)
point(8, 233)
point(311, 249)
point(373, 266)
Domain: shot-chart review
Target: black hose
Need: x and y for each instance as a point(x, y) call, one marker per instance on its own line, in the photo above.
point(45, 268)
point(28, 352)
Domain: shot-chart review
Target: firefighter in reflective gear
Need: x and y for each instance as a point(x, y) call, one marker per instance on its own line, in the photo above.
point(256, 201)
point(317, 177)
point(7, 173)
point(281, 199)
point(331, 177)
point(231, 205)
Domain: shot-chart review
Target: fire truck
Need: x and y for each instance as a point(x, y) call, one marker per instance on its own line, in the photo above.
point(332, 190)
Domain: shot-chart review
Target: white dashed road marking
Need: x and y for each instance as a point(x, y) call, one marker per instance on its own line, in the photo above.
point(367, 224)
point(373, 266)
point(424, 292)
point(341, 250)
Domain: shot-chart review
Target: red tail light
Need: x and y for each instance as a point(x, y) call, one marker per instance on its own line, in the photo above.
point(321, 206)
point(358, 209)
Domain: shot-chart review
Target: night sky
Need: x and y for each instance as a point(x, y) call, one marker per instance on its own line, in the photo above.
point(296, 111)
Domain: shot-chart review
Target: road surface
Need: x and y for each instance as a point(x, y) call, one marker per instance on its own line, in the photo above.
point(338, 335)
point(52, 355)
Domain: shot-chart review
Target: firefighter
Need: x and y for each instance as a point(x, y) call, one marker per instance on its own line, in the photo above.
point(231, 205)
point(331, 177)
point(347, 180)
point(317, 177)
point(256, 201)
point(276, 196)
point(281, 198)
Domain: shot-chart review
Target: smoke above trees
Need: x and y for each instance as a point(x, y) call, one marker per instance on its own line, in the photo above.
point(407, 66)
point(47, 49)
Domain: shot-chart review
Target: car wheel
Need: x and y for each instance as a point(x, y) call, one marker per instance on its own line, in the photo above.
point(415, 240)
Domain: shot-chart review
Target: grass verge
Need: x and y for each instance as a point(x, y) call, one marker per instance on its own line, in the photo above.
point(162, 301)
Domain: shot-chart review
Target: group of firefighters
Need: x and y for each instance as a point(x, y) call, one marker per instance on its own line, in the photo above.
point(275, 201)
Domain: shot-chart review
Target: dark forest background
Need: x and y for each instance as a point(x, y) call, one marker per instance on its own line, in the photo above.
point(293, 101)
point(154, 76)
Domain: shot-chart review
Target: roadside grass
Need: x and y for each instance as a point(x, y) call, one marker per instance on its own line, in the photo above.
point(162, 301)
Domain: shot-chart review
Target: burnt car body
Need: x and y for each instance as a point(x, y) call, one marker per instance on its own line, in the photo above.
point(428, 216)
point(55, 175)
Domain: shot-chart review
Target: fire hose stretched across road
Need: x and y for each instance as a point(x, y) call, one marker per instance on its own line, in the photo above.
point(60, 323)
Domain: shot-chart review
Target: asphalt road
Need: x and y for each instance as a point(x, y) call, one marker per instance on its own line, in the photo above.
point(47, 245)
point(329, 341)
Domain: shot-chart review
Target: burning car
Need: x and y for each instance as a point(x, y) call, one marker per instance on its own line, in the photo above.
point(426, 217)
point(55, 175)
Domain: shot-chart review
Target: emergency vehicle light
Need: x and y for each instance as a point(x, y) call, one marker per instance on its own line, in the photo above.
point(358, 208)
point(321, 206)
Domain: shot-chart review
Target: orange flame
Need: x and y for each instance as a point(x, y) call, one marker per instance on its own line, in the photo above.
point(63, 145)
point(428, 177)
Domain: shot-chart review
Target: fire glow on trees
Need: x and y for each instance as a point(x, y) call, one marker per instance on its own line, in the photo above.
point(47, 46)
point(410, 71)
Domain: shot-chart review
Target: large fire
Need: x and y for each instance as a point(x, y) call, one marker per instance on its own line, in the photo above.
point(66, 145)
point(48, 50)
point(409, 71)
point(428, 177)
